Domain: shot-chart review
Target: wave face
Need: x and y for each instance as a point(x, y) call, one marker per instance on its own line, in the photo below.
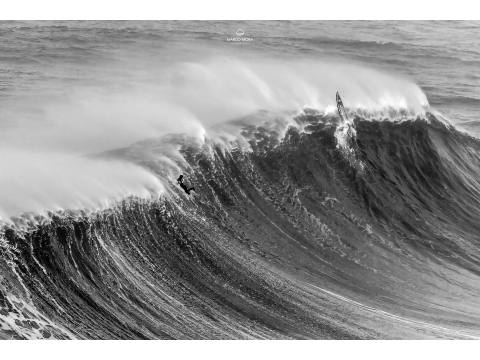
point(288, 240)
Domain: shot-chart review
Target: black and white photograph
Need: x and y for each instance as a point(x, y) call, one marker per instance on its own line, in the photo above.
point(239, 179)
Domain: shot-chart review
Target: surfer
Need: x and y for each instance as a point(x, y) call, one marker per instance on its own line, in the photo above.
point(341, 108)
point(183, 186)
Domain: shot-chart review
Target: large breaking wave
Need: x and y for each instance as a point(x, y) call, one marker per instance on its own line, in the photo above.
point(51, 128)
point(285, 236)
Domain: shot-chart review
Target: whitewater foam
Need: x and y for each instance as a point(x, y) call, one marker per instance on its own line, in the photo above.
point(42, 182)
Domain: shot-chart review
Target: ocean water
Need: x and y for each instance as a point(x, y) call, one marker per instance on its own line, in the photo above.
point(303, 224)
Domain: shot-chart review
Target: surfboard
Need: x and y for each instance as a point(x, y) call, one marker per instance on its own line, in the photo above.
point(341, 108)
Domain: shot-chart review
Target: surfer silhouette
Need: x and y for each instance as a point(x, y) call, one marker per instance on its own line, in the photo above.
point(183, 186)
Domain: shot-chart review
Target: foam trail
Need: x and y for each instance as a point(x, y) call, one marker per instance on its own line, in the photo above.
point(246, 86)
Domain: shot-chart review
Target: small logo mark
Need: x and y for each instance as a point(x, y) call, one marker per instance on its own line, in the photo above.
point(240, 36)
